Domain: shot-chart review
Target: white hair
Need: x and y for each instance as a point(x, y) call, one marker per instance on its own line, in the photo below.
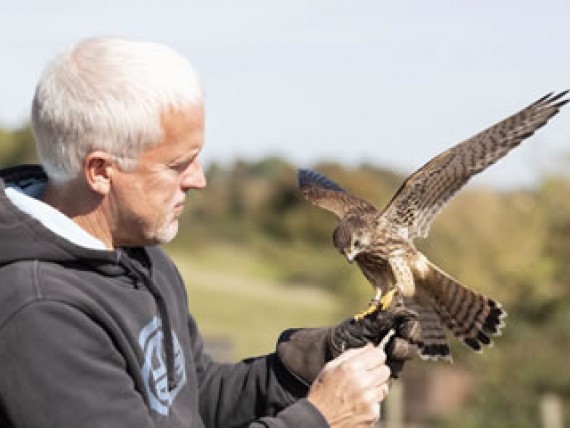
point(107, 94)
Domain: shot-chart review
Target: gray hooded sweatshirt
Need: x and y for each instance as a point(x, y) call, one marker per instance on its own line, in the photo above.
point(98, 338)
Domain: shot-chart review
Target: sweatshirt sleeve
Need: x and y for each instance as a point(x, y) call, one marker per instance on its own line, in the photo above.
point(64, 371)
point(257, 392)
point(300, 414)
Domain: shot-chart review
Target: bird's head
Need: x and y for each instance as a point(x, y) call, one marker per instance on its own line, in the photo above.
point(351, 238)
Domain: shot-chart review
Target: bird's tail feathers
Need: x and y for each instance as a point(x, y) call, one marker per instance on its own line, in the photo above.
point(470, 316)
point(433, 345)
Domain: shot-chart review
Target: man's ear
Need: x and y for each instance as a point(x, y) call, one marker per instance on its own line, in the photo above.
point(98, 169)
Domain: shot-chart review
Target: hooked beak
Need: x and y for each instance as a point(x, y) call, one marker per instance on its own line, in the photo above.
point(350, 256)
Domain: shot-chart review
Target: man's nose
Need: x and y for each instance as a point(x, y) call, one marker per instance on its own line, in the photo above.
point(194, 177)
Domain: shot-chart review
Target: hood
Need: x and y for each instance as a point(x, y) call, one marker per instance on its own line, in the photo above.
point(24, 237)
point(31, 230)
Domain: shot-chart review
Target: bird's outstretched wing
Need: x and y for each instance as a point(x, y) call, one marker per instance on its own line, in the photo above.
point(425, 192)
point(328, 195)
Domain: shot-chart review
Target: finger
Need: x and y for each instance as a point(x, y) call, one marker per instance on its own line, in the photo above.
point(384, 391)
point(377, 356)
point(373, 358)
point(379, 376)
point(411, 330)
point(402, 313)
point(400, 349)
point(376, 394)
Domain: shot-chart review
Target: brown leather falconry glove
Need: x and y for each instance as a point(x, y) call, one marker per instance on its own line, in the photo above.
point(304, 352)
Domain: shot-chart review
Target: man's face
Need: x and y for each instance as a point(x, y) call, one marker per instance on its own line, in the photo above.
point(146, 202)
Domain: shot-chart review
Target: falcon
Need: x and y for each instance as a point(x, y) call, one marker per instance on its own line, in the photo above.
point(381, 242)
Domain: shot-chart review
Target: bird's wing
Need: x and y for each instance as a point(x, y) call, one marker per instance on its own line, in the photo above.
point(328, 195)
point(425, 192)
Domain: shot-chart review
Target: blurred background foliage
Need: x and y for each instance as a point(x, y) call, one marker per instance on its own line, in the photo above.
point(249, 241)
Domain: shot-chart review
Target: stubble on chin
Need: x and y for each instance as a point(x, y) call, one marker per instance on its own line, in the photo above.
point(167, 232)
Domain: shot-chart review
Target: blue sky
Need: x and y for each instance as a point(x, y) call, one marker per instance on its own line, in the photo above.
point(390, 83)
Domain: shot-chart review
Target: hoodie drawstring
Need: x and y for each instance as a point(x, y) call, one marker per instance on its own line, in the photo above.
point(168, 338)
point(166, 331)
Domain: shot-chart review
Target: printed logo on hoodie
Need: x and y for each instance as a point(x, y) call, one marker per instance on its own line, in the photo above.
point(154, 369)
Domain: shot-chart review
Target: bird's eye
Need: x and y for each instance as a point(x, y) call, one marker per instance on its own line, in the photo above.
point(357, 243)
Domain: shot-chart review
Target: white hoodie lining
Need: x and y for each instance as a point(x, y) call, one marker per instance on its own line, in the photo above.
point(26, 200)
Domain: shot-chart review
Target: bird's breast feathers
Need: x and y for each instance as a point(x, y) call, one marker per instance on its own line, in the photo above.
point(420, 265)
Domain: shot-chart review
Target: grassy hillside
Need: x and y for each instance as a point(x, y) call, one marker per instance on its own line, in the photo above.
point(234, 299)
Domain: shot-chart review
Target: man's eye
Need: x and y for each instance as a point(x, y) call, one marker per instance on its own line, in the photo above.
point(179, 166)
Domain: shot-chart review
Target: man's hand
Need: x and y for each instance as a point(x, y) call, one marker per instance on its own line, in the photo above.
point(304, 352)
point(373, 328)
point(349, 389)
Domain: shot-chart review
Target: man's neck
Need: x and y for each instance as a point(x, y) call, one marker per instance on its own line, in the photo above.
point(82, 206)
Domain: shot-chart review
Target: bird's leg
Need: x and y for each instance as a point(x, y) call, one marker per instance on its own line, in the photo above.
point(386, 300)
point(378, 302)
point(403, 278)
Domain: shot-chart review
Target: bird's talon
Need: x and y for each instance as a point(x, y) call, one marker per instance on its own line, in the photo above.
point(372, 307)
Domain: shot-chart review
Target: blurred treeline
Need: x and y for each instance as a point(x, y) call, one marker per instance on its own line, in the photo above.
point(512, 245)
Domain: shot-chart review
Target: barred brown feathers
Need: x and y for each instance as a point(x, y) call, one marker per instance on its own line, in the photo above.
point(468, 315)
point(381, 241)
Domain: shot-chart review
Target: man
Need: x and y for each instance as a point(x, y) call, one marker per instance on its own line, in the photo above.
point(94, 329)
